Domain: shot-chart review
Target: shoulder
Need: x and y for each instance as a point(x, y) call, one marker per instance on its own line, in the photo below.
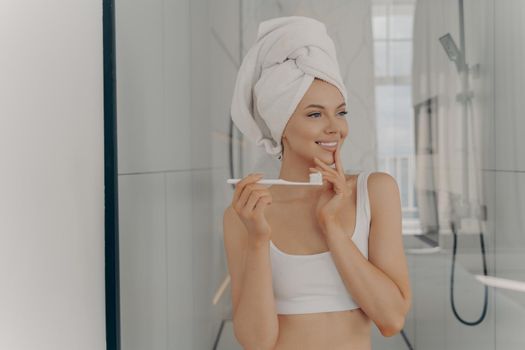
point(382, 189)
point(376, 179)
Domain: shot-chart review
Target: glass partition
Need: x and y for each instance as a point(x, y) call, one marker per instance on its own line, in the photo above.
point(436, 98)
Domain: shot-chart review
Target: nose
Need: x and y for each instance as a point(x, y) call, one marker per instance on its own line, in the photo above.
point(334, 125)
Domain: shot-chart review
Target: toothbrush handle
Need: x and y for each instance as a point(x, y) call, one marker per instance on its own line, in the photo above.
point(271, 182)
point(264, 182)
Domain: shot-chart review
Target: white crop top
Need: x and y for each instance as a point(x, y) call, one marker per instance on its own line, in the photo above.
point(311, 283)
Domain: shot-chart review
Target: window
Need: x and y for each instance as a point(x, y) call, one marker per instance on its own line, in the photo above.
point(392, 22)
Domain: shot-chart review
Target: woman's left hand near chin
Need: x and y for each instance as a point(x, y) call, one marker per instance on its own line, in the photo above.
point(331, 202)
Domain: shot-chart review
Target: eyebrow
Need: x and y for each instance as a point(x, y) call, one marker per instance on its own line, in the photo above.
point(322, 107)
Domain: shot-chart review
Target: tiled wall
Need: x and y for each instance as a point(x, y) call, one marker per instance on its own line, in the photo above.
point(509, 170)
point(171, 258)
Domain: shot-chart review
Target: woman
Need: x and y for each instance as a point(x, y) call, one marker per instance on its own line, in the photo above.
point(312, 266)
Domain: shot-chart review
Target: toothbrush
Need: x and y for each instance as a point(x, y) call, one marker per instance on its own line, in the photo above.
point(316, 179)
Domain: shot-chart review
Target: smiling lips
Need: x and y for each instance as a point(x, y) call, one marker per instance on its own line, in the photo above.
point(329, 146)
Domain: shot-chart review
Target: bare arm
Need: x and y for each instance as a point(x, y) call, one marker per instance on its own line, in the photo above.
point(379, 284)
point(374, 291)
point(255, 321)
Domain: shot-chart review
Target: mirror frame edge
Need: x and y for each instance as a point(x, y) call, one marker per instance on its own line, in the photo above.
point(111, 231)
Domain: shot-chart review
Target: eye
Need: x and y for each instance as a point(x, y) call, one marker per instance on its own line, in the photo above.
point(317, 113)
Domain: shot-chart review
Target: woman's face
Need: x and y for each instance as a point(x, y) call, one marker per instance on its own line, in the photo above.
point(326, 121)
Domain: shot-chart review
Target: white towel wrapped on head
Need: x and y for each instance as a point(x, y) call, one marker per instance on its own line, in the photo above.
point(289, 53)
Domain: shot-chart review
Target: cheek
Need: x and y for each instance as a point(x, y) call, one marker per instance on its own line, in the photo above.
point(344, 133)
point(308, 136)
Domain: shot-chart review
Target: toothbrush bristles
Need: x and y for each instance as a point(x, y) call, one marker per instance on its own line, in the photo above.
point(316, 178)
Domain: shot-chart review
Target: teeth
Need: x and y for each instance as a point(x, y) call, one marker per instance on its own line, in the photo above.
point(327, 143)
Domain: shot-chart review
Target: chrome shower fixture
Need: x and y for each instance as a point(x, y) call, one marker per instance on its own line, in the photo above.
point(453, 53)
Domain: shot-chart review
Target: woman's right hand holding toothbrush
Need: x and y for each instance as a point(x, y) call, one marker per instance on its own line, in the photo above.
point(250, 201)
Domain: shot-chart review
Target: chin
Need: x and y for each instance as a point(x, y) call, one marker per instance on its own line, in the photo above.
point(326, 155)
point(327, 158)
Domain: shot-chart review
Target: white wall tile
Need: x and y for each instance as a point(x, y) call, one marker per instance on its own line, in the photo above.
point(179, 261)
point(201, 65)
point(222, 82)
point(205, 248)
point(509, 84)
point(177, 96)
point(142, 245)
point(153, 85)
point(510, 221)
point(510, 258)
point(430, 287)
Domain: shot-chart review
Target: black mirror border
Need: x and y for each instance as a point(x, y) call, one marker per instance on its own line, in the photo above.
point(111, 235)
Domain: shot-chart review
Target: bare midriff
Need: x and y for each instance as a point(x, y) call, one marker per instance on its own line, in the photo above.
point(339, 330)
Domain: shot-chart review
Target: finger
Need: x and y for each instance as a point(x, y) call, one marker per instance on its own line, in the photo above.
point(261, 204)
point(328, 177)
point(333, 178)
point(247, 193)
point(338, 163)
point(252, 201)
point(241, 185)
point(323, 165)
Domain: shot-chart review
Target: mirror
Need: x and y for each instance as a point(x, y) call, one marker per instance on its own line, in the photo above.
point(435, 101)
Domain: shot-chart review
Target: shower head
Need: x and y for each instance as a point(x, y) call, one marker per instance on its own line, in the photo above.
point(453, 53)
